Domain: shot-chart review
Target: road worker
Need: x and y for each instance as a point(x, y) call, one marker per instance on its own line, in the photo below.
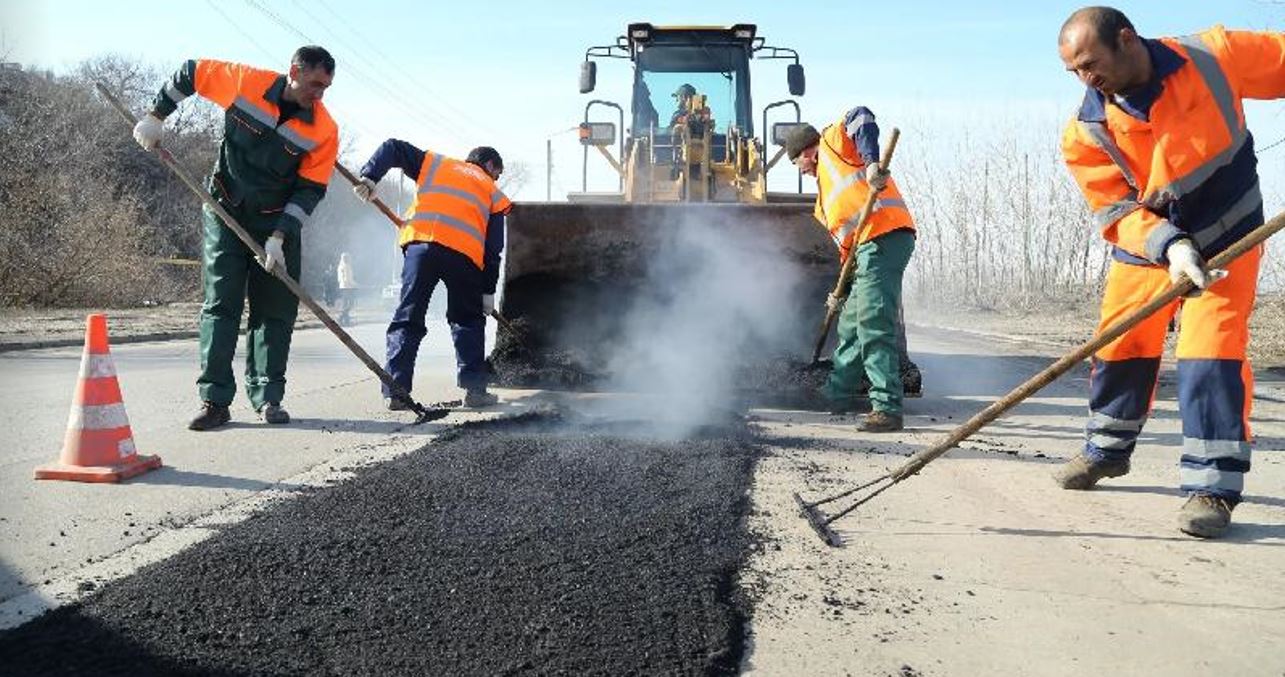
point(845, 159)
point(455, 235)
point(278, 150)
point(1160, 150)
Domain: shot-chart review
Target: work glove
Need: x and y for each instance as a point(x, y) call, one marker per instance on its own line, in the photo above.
point(488, 304)
point(876, 176)
point(1185, 260)
point(147, 132)
point(365, 189)
point(834, 303)
point(276, 255)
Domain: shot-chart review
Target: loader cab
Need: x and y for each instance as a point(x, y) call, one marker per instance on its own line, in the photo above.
point(715, 62)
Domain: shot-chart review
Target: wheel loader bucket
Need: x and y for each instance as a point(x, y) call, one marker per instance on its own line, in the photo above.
point(573, 271)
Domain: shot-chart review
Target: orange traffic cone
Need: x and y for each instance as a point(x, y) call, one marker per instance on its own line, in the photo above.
point(99, 446)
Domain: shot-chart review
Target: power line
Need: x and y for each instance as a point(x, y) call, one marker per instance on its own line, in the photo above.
point(465, 116)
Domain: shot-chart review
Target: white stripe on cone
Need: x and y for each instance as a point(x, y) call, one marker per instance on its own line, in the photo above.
point(98, 417)
point(97, 366)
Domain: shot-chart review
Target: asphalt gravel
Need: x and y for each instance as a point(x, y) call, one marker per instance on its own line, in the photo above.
point(533, 547)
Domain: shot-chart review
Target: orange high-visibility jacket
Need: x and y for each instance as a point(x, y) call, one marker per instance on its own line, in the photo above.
point(842, 192)
point(1189, 170)
point(263, 167)
point(453, 206)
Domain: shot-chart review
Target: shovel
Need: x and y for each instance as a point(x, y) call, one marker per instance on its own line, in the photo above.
point(821, 522)
point(423, 414)
point(849, 265)
point(398, 223)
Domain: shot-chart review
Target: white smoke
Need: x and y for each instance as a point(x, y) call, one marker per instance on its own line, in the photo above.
point(718, 297)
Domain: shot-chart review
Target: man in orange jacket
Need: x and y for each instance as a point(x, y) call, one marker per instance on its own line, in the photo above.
point(278, 150)
point(1161, 152)
point(455, 235)
point(845, 159)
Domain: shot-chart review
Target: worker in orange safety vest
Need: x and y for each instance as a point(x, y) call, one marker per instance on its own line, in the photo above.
point(1161, 151)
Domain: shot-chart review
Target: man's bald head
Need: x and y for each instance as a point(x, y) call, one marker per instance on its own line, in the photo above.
point(1101, 47)
point(1102, 23)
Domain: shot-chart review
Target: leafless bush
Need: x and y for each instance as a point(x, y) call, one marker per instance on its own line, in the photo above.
point(85, 217)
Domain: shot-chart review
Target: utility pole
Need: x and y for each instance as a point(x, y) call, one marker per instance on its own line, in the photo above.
point(548, 170)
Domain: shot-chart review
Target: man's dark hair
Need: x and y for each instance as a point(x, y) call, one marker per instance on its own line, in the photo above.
point(1106, 22)
point(484, 154)
point(312, 56)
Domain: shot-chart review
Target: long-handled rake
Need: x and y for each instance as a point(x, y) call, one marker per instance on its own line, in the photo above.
point(423, 414)
point(849, 266)
point(821, 522)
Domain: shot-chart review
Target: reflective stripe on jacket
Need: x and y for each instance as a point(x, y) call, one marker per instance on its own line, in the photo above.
point(842, 192)
point(453, 205)
point(1189, 169)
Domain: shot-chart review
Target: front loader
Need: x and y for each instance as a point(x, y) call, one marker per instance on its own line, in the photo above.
point(687, 158)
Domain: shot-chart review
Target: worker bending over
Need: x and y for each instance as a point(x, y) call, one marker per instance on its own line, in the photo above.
point(455, 234)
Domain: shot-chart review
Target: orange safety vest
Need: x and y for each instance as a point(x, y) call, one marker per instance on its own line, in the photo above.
point(1188, 171)
point(454, 203)
point(842, 192)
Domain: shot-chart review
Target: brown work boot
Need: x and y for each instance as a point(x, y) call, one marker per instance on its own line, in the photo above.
point(212, 416)
point(1080, 473)
point(274, 414)
point(1205, 515)
point(880, 422)
point(477, 398)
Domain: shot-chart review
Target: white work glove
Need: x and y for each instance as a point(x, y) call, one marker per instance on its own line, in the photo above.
point(365, 189)
point(488, 304)
point(834, 303)
point(276, 255)
point(147, 132)
point(1185, 260)
point(876, 176)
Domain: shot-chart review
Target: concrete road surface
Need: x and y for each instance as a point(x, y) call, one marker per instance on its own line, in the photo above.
point(978, 565)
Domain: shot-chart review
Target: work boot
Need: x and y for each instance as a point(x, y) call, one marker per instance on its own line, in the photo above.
point(212, 416)
point(396, 404)
point(912, 381)
point(477, 398)
point(880, 422)
point(273, 413)
point(1081, 473)
point(1205, 515)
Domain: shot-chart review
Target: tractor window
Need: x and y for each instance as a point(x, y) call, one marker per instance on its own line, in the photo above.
point(716, 71)
point(718, 89)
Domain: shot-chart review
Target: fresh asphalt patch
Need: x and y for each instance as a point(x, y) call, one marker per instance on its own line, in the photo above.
point(538, 546)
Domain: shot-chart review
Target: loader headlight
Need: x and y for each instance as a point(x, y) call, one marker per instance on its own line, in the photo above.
point(597, 133)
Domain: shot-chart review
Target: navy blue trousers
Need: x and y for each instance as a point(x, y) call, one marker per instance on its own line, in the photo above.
point(426, 263)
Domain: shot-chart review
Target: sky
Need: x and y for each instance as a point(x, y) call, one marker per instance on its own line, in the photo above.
point(452, 75)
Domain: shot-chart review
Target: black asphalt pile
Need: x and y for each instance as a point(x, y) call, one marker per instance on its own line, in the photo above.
point(519, 548)
point(525, 358)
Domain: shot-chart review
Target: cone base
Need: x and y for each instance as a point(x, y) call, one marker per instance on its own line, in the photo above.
point(131, 467)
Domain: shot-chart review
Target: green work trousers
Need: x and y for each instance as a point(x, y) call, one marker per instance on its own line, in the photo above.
point(868, 342)
point(231, 275)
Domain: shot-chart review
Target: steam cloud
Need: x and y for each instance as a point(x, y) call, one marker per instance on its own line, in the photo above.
point(720, 299)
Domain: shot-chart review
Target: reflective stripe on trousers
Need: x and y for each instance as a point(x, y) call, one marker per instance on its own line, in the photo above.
point(1215, 383)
